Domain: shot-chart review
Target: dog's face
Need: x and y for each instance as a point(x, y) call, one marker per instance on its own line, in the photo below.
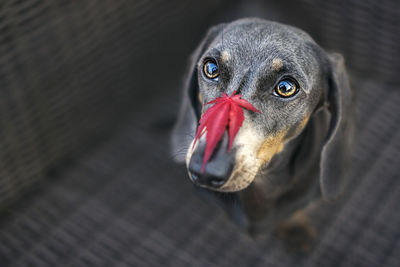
point(281, 71)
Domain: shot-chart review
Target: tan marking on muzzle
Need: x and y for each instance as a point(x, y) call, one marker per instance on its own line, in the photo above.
point(246, 163)
point(271, 146)
point(253, 151)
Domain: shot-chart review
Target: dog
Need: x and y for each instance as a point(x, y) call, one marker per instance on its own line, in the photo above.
point(291, 157)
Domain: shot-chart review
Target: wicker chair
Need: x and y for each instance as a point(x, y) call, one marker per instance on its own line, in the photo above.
point(87, 97)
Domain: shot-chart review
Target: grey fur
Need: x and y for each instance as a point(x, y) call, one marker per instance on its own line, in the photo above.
point(313, 162)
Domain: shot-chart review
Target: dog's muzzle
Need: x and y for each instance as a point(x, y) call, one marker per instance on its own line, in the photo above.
point(218, 168)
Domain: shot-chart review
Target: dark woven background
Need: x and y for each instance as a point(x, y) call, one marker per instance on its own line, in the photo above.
point(88, 93)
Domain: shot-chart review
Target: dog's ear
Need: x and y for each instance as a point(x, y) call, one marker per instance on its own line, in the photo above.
point(189, 113)
point(336, 151)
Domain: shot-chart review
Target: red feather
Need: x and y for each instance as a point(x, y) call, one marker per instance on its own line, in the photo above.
point(226, 113)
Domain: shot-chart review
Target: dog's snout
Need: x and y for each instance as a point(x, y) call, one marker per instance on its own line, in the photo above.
point(218, 168)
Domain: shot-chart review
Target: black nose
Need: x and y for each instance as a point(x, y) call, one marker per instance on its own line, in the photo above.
point(208, 180)
point(218, 168)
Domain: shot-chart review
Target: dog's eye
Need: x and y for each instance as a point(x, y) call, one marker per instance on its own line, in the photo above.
point(210, 69)
point(286, 88)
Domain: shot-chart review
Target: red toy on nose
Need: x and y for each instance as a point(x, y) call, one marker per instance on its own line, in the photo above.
point(227, 112)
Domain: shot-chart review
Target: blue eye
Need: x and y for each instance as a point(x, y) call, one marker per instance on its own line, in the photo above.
point(210, 69)
point(286, 88)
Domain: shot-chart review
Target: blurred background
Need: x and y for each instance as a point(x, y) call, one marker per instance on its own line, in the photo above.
point(89, 91)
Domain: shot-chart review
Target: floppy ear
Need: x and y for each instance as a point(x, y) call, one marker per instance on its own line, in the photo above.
point(336, 151)
point(189, 113)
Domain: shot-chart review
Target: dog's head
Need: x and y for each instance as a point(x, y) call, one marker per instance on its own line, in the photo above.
point(283, 73)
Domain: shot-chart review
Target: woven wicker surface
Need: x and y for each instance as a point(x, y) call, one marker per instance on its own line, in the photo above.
point(71, 72)
point(366, 32)
point(124, 203)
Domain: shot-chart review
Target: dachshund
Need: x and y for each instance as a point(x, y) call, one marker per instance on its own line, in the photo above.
point(290, 158)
